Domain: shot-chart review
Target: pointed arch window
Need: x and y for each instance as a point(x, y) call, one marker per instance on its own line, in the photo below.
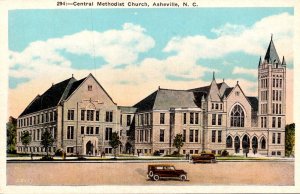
point(237, 117)
point(263, 143)
point(229, 142)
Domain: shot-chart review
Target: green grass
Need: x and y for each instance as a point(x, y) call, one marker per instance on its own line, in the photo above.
point(17, 155)
point(241, 158)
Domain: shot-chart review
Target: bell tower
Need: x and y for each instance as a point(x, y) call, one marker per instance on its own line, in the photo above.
point(272, 99)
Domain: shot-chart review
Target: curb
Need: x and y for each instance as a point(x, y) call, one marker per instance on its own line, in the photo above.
point(135, 161)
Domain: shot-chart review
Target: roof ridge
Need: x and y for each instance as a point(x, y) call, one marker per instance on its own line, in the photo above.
point(67, 89)
point(173, 89)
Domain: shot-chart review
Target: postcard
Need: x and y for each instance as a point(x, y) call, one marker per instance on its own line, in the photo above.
point(149, 96)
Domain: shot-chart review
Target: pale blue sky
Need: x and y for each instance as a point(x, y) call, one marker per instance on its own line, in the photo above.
point(27, 26)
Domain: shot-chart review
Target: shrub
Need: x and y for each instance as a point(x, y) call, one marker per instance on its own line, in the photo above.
point(224, 153)
point(46, 158)
point(58, 152)
point(174, 154)
point(156, 153)
point(11, 151)
point(81, 158)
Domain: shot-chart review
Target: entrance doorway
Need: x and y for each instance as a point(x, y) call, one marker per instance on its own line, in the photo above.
point(128, 148)
point(89, 148)
point(254, 145)
point(237, 144)
point(246, 144)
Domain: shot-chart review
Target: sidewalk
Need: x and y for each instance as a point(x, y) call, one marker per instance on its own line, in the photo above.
point(142, 159)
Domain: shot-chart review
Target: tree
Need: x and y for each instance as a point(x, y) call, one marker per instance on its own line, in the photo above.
point(11, 135)
point(115, 142)
point(25, 139)
point(178, 142)
point(289, 139)
point(47, 140)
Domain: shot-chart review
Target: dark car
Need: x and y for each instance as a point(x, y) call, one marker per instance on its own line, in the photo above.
point(204, 158)
point(163, 171)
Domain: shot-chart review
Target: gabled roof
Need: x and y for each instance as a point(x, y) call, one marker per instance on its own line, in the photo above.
point(164, 99)
point(56, 94)
point(271, 54)
point(204, 88)
point(147, 103)
point(50, 98)
point(74, 86)
point(127, 109)
point(227, 92)
point(253, 102)
point(198, 97)
point(167, 98)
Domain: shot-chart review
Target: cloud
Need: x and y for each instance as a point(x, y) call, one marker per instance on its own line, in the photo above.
point(242, 70)
point(236, 38)
point(114, 46)
point(44, 63)
point(229, 29)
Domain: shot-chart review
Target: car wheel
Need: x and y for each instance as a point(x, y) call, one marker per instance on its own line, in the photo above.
point(156, 177)
point(183, 177)
point(150, 174)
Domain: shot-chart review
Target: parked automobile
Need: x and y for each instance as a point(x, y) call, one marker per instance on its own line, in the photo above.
point(165, 171)
point(204, 158)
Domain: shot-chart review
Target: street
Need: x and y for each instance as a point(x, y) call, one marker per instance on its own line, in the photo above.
point(221, 173)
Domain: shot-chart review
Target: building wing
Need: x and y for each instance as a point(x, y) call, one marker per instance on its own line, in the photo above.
point(50, 98)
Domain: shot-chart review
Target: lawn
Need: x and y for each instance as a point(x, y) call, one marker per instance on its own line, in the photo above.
point(16, 155)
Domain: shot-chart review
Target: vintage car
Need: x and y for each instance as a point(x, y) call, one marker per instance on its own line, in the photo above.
point(204, 158)
point(165, 171)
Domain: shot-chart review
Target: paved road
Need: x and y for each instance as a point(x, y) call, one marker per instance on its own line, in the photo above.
point(221, 173)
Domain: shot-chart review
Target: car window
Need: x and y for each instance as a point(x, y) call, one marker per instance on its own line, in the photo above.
point(159, 168)
point(169, 168)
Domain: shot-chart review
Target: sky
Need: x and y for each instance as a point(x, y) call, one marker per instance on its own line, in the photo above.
point(133, 51)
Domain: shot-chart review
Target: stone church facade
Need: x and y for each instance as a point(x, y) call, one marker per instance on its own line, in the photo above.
point(81, 116)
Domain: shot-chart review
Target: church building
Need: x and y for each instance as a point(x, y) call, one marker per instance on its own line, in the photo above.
point(81, 116)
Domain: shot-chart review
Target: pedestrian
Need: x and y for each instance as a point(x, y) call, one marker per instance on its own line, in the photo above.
point(31, 155)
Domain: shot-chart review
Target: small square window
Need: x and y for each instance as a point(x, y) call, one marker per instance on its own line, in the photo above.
point(237, 93)
point(90, 87)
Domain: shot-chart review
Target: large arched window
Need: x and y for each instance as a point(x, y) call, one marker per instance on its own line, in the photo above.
point(229, 142)
point(237, 116)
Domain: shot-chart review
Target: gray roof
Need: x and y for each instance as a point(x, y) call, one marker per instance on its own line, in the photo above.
point(271, 54)
point(164, 99)
point(253, 102)
point(204, 88)
point(227, 91)
point(127, 109)
point(50, 98)
point(53, 96)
